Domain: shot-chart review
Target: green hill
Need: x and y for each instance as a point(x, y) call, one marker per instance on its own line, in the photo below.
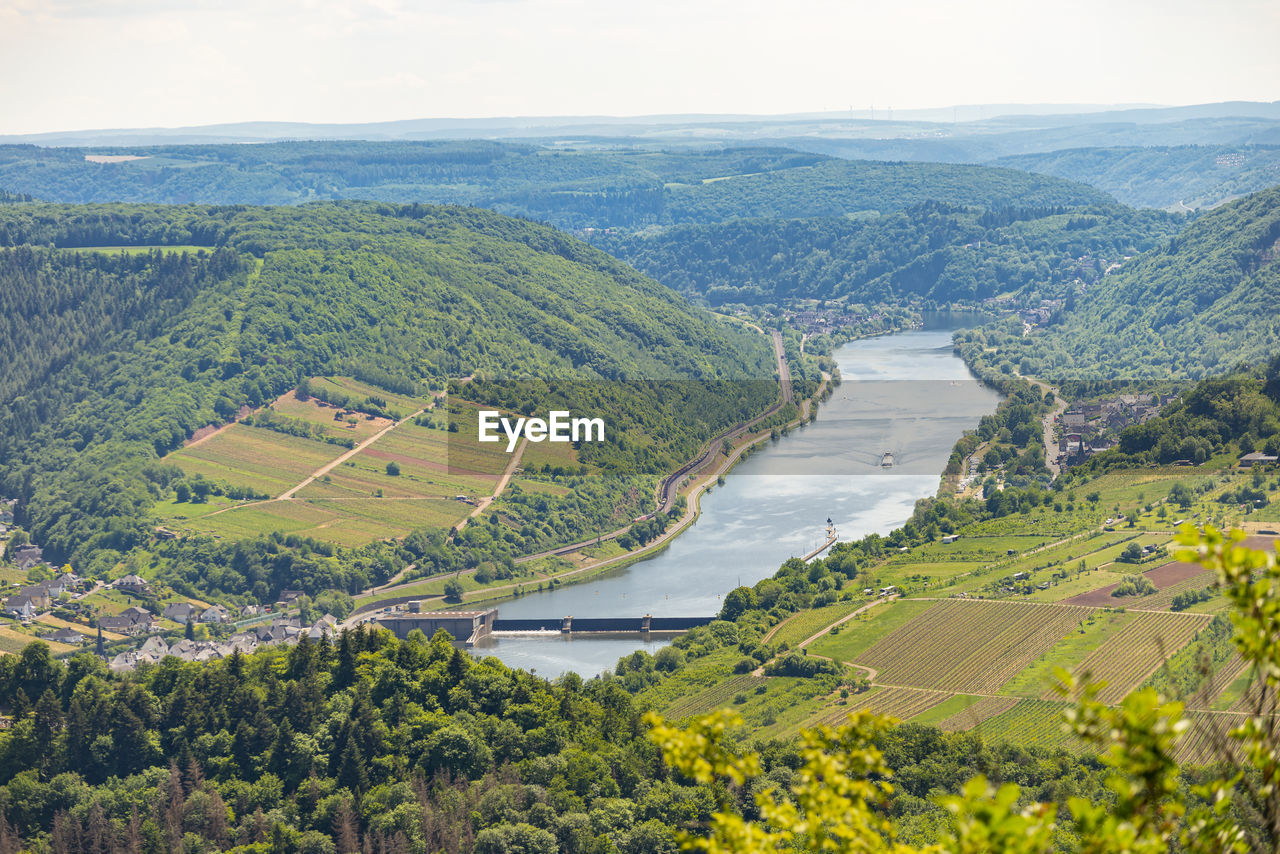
point(114, 357)
point(1175, 178)
point(568, 188)
point(931, 251)
point(1200, 305)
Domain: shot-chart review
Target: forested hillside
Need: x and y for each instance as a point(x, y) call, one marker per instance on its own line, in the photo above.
point(568, 188)
point(1174, 178)
point(394, 745)
point(1202, 304)
point(116, 357)
point(933, 251)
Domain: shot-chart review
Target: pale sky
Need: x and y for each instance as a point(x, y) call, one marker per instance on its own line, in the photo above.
point(76, 64)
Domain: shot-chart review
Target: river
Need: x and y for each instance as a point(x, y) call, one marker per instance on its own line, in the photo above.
point(906, 394)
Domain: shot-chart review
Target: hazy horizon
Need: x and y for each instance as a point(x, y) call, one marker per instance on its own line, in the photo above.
point(115, 64)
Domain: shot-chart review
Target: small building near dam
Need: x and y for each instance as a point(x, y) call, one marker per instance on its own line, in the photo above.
point(465, 626)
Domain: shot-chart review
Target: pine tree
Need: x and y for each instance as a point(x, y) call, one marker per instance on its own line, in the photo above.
point(351, 771)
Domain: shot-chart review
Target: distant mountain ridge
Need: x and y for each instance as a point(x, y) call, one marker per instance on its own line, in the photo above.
point(627, 188)
point(979, 115)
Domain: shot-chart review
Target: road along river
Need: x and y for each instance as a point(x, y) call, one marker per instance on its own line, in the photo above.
point(907, 395)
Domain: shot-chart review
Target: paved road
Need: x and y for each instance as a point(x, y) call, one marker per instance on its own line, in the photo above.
point(669, 489)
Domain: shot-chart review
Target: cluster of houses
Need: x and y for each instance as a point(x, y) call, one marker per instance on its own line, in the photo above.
point(1039, 315)
point(827, 321)
point(36, 598)
point(1087, 428)
point(281, 630)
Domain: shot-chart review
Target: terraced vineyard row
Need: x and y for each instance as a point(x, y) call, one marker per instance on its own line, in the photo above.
point(901, 703)
point(982, 709)
point(1132, 654)
point(1206, 739)
point(1163, 599)
point(806, 623)
point(969, 646)
point(1031, 722)
point(715, 697)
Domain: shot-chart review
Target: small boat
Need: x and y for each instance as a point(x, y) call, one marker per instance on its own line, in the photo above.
point(886, 462)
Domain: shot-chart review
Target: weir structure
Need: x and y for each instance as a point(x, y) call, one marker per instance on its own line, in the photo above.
point(467, 627)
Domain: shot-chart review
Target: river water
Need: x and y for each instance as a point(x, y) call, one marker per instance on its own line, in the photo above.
point(906, 394)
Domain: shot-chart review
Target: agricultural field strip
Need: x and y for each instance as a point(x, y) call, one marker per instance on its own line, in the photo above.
point(899, 702)
point(980, 711)
point(844, 619)
point(1197, 744)
point(1163, 599)
point(970, 646)
point(1136, 651)
point(1031, 722)
point(714, 697)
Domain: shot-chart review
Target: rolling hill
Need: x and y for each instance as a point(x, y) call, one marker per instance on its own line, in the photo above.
point(1175, 178)
point(1202, 304)
point(937, 252)
point(127, 328)
point(572, 189)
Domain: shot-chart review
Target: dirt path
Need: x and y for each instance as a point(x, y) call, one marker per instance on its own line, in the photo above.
point(500, 486)
point(759, 671)
point(191, 443)
point(331, 465)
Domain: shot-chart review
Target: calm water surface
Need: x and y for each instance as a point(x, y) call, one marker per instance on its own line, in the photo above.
point(904, 394)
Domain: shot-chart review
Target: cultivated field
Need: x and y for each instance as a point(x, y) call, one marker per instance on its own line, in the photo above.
point(900, 703)
point(805, 624)
point(1034, 723)
point(716, 697)
point(423, 456)
point(1128, 657)
point(262, 460)
point(860, 633)
point(1163, 577)
point(969, 646)
point(1206, 740)
point(980, 710)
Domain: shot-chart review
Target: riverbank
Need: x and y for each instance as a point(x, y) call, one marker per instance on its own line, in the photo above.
point(698, 483)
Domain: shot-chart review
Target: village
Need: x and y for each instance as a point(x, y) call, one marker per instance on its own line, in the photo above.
point(69, 613)
point(1085, 429)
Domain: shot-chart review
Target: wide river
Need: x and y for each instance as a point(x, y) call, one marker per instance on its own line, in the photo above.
point(904, 394)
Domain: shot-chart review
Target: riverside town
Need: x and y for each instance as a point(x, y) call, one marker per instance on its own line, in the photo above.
point(558, 428)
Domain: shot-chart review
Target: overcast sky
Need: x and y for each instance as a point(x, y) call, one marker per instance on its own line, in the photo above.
point(74, 64)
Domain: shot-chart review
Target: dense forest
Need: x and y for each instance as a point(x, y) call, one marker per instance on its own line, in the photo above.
point(119, 356)
point(1169, 177)
point(374, 744)
point(932, 251)
point(567, 188)
point(1202, 304)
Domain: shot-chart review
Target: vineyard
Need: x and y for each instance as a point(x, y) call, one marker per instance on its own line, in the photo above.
point(900, 703)
point(1034, 723)
point(1207, 739)
point(982, 709)
point(1132, 654)
point(1162, 599)
point(807, 623)
point(716, 697)
point(969, 646)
